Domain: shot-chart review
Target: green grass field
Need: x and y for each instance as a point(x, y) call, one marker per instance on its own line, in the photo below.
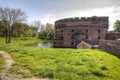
point(61, 63)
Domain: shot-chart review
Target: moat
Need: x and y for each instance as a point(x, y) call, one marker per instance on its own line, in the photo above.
point(43, 45)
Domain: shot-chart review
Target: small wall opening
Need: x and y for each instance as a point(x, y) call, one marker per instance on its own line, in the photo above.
point(98, 31)
point(72, 30)
point(71, 37)
point(98, 37)
point(61, 30)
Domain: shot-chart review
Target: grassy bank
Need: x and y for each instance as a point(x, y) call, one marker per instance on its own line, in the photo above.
point(24, 40)
point(21, 42)
point(62, 64)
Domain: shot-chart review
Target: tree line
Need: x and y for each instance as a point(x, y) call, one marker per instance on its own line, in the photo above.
point(12, 24)
point(116, 27)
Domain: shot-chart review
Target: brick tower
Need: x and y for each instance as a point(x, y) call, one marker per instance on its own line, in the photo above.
point(71, 31)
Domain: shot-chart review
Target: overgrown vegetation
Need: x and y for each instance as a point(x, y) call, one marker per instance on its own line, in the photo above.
point(10, 16)
point(116, 27)
point(61, 64)
point(2, 62)
point(12, 24)
point(47, 32)
point(19, 30)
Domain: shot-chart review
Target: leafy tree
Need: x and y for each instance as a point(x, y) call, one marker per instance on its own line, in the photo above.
point(34, 32)
point(19, 30)
point(10, 16)
point(23, 30)
point(117, 26)
point(47, 31)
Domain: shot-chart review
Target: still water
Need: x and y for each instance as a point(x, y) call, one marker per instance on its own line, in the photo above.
point(44, 45)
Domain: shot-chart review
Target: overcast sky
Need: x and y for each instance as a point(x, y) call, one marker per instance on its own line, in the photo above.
point(51, 10)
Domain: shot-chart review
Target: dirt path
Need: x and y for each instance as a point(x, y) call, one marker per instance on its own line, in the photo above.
point(33, 79)
point(4, 75)
point(8, 63)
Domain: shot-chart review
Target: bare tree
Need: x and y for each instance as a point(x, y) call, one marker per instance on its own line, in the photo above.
point(37, 25)
point(11, 16)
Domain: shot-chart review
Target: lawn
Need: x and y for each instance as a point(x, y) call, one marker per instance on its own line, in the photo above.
point(61, 63)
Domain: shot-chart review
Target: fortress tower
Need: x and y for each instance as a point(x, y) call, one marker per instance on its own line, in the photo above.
point(71, 31)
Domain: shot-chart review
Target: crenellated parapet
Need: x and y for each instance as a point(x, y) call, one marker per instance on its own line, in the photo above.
point(82, 21)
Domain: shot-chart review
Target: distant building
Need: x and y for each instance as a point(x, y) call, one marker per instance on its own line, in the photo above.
point(71, 31)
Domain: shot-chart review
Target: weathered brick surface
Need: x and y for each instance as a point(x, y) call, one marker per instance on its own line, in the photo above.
point(111, 36)
point(110, 46)
point(70, 32)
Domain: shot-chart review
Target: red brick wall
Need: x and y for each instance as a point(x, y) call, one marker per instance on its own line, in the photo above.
point(110, 46)
point(111, 36)
point(90, 28)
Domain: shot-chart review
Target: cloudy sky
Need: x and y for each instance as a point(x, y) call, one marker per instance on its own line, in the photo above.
point(51, 10)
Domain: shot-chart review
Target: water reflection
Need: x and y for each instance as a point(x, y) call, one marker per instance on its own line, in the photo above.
point(45, 45)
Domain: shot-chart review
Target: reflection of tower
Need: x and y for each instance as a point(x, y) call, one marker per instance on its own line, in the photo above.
point(74, 30)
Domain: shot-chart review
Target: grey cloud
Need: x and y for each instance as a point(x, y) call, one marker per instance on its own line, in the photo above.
point(59, 6)
point(117, 12)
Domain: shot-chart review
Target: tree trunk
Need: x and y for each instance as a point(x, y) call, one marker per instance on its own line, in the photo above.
point(9, 37)
point(9, 34)
point(6, 32)
point(6, 36)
